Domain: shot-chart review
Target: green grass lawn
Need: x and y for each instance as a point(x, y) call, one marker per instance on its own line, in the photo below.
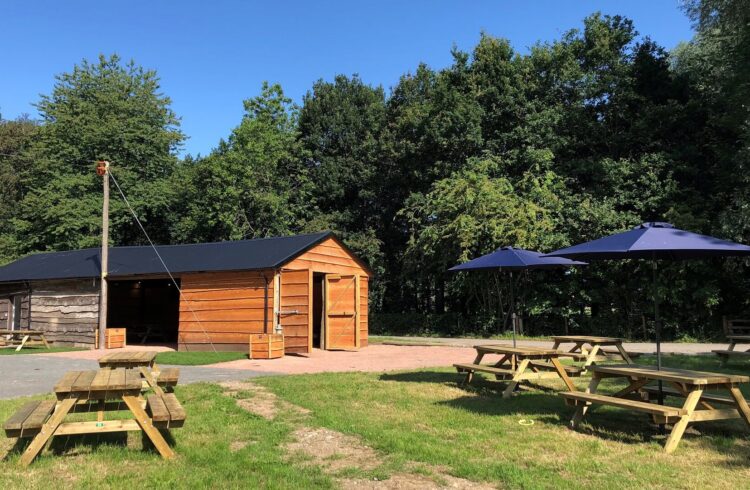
point(197, 358)
point(7, 351)
point(418, 419)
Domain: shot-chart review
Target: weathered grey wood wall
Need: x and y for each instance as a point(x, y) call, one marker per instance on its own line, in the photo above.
point(67, 311)
point(7, 292)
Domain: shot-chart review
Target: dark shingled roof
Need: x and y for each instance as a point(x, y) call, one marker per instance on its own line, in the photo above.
point(263, 253)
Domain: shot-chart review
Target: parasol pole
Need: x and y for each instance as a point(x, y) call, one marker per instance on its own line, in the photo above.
point(512, 309)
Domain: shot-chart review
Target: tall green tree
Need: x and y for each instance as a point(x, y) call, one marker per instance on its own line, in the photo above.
point(254, 184)
point(102, 110)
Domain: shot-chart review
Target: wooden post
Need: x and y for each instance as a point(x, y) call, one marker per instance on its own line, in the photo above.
point(102, 169)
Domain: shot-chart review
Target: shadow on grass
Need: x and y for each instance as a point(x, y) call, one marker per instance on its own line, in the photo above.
point(542, 404)
point(63, 445)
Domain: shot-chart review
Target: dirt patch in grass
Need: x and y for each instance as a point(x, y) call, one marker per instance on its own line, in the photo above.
point(407, 481)
point(260, 402)
point(334, 451)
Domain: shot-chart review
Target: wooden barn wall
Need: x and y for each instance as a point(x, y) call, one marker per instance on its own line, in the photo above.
point(223, 308)
point(294, 312)
point(67, 311)
point(330, 258)
point(7, 292)
point(363, 310)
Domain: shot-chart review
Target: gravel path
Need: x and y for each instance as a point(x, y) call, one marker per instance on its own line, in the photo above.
point(36, 374)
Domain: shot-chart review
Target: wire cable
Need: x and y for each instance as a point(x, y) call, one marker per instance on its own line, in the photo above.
point(158, 255)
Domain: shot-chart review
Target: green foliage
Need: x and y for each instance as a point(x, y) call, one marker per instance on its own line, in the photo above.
point(107, 110)
point(250, 185)
point(583, 136)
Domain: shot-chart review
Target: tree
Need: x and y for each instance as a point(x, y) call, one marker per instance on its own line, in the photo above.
point(252, 185)
point(15, 138)
point(105, 110)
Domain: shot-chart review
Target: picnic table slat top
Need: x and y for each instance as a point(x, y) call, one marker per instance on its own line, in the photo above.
point(131, 357)
point(592, 339)
point(685, 376)
point(739, 337)
point(521, 351)
point(106, 380)
point(20, 332)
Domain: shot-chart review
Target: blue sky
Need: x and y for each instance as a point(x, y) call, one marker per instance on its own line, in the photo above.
point(213, 54)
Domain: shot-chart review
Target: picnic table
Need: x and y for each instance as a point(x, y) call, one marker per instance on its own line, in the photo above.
point(101, 391)
point(725, 354)
point(21, 338)
point(594, 352)
point(145, 363)
point(690, 386)
point(519, 364)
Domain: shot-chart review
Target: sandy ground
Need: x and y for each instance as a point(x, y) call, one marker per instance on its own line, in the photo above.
point(375, 358)
point(385, 357)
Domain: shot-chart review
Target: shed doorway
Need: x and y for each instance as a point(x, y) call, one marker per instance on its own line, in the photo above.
point(318, 312)
point(148, 309)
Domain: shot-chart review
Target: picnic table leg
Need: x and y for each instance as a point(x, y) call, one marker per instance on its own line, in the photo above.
point(582, 409)
point(148, 428)
point(516, 378)
point(150, 380)
point(635, 385)
point(499, 364)
point(591, 356)
point(742, 406)
point(679, 428)
point(732, 345)
point(48, 430)
point(563, 374)
point(101, 405)
point(624, 354)
point(44, 341)
point(23, 342)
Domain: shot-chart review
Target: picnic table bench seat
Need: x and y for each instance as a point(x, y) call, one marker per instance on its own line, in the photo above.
point(168, 377)
point(571, 370)
point(653, 393)
point(727, 353)
point(577, 398)
point(165, 410)
point(29, 419)
point(484, 369)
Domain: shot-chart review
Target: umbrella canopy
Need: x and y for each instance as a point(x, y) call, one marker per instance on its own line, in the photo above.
point(653, 241)
point(514, 259)
point(509, 258)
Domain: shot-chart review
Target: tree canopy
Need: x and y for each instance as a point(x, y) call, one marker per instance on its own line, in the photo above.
point(586, 135)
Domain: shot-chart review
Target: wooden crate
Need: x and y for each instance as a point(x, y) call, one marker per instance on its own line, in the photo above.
point(115, 338)
point(266, 346)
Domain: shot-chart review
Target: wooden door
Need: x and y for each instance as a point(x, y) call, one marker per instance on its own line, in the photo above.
point(341, 311)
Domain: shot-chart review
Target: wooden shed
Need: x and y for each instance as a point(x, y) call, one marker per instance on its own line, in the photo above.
point(311, 288)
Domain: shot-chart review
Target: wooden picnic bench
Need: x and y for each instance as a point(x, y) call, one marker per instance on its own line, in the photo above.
point(519, 364)
point(725, 354)
point(144, 362)
point(590, 349)
point(99, 391)
point(22, 338)
point(698, 406)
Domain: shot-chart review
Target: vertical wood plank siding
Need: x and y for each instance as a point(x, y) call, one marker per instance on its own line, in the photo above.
point(330, 258)
point(295, 297)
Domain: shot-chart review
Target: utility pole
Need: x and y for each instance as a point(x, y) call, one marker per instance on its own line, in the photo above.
point(102, 170)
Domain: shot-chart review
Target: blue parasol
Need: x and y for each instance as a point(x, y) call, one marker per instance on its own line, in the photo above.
point(514, 259)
